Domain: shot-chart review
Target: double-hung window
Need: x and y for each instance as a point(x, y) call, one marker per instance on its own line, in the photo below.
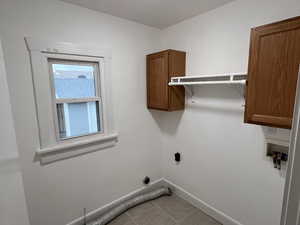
point(76, 92)
point(73, 96)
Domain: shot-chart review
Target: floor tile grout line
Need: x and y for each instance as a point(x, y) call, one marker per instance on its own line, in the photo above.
point(157, 207)
point(181, 220)
point(166, 212)
point(192, 213)
point(200, 210)
point(131, 218)
point(196, 210)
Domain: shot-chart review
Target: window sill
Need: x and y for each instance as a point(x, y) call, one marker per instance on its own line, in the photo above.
point(79, 147)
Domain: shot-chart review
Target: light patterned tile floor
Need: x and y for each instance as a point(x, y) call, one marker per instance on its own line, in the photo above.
point(165, 211)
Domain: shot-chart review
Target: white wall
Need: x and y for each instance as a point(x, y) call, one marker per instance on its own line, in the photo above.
point(57, 193)
point(12, 199)
point(224, 162)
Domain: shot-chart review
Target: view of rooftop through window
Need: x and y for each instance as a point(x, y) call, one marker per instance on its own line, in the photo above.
point(75, 92)
point(74, 81)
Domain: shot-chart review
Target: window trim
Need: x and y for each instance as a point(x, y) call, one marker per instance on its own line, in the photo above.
point(52, 59)
point(49, 148)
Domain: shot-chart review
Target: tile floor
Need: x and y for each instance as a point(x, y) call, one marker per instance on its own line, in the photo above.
point(165, 211)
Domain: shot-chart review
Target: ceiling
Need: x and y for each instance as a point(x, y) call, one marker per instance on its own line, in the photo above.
point(155, 13)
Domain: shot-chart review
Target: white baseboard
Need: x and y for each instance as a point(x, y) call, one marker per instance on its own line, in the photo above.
point(98, 212)
point(209, 210)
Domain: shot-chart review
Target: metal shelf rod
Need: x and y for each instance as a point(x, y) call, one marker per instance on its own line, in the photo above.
point(207, 82)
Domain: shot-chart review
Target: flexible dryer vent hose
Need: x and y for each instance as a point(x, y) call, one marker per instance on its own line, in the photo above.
point(118, 210)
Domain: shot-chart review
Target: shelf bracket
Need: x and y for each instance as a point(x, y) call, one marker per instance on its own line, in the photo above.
point(240, 89)
point(189, 90)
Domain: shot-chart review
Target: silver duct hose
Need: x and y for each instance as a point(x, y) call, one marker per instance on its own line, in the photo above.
point(113, 213)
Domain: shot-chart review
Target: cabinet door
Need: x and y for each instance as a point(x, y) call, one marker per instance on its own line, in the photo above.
point(157, 80)
point(176, 68)
point(272, 73)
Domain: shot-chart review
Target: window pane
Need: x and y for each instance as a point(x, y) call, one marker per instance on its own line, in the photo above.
point(74, 81)
point(76, 119)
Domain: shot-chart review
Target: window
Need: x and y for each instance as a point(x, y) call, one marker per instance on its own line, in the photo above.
point(74, 104)
point(76, 93)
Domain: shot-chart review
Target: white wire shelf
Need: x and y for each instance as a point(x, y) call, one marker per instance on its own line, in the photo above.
point(234, 78)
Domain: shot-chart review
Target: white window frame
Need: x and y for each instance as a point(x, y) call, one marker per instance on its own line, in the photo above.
point(51, 147)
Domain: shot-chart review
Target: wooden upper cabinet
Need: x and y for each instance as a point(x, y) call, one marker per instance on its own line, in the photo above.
point(272, 74)
point(161, 67)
